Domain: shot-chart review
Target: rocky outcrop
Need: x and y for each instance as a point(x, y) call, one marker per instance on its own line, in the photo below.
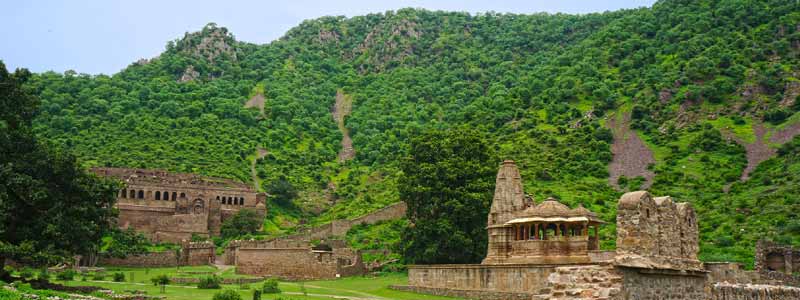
point(189, 74)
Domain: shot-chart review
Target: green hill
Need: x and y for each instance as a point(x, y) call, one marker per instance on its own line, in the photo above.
point(695, 80)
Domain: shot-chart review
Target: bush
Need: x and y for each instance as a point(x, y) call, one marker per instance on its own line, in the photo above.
point(161, 280)
point(256, 295)
point(99, 276)
point(66, 275)
point(26, 273)
point(118, 277)
point(210, 282)
point(43, 275)
point(227, 295)
point(270, 286)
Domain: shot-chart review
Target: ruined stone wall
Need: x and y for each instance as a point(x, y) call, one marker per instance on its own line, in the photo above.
point(584, 283)
point(296, 263)
point(726, 291)
point(467, 294)
point(777, 262)
point(656, 233)
point(732, 273)
point(647, 284)
point(198, 254)
point(152, 259)
point(488, 278)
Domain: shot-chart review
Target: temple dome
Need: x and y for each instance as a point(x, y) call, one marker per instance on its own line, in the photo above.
point(549, 208)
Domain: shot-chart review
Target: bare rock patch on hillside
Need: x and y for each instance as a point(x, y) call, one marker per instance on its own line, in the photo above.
point(631, 156)
point(341, 109)
point(256, 101)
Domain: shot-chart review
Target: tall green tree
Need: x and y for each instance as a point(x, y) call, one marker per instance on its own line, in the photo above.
point(49, 206)
point(245, 221)
point(447, 183)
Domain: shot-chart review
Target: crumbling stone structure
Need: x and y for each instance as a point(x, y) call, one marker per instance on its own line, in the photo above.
point(294, 259)
point(656, 256)
point(779, 263)
point(171, 207)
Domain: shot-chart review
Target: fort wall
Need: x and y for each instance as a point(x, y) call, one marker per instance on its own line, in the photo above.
point(298, 263)
point(150, 259)
point(727, 291)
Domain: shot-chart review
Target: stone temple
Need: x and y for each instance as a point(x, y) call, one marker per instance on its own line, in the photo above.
point(171, 207)
point(550, 251)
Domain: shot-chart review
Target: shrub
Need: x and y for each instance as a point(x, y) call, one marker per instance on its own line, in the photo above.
point(161, 280)
point(118, 277)
point(26, 273)
point(227, 295)
point(43, 275)
point(256, 295)
point(66, 275)
point(210, 282)
point(98, 276)
point(270, 286)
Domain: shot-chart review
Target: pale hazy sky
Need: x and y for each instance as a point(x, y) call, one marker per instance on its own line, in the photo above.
point(104, 36)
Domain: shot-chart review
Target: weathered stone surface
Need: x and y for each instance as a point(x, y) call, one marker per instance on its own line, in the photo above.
point(299, 263)
point(778, 263)
point(726, 291)
point(170, 207)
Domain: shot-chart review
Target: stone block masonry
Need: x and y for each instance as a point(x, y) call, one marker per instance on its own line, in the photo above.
point(726, 291)
point(191, 254)
point(171, 207)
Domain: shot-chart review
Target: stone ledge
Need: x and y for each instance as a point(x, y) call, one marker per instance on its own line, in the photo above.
point(468, 294)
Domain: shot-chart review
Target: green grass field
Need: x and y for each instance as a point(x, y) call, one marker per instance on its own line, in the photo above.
point(355, 288)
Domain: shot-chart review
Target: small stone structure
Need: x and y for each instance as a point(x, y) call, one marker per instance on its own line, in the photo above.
point(779, 263)
point(171, 207)
point(656, 256)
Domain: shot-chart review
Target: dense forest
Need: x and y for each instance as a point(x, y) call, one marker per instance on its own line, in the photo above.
point(699, 82)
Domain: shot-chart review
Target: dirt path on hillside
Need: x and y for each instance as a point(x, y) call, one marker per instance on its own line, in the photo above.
point(260, 153)
point(341, 109)
point(631, 156)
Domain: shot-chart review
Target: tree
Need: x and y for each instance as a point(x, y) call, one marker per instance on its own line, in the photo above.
point(245, 221)
point(49, 206)
point(121, 243)
point(447, 183)
point(161, 280)
point(282, 191)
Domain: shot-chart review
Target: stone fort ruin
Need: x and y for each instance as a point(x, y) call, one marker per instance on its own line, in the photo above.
point(549, 251)
point(171, 207)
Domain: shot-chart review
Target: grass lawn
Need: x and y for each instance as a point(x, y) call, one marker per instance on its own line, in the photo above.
point(356, 288)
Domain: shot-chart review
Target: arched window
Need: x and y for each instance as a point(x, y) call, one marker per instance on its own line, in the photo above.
point(241, 201)
point(166, 195)
point(132, 194)
point(158, 195)
point(174, 196)
point(217, 198)
point(183, 195)
point(224, 200)
point(124, 193)
point(141, 194)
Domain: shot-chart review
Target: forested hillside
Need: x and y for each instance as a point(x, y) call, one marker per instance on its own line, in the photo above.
point(707, 86)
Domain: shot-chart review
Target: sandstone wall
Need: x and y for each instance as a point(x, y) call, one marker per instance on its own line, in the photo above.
point(777, 262)
point(467, 294)
point(731, 273)
point(656, 233)
point(152, 259)
point(198, 254)
point(725, 291)
point(489, 278)
point(297, 263)
point(646, 284)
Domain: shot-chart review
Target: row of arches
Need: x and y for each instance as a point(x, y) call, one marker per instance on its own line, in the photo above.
point(142, 194)
point(231, 200)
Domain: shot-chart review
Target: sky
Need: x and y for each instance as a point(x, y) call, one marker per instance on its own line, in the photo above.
point(105, 36)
